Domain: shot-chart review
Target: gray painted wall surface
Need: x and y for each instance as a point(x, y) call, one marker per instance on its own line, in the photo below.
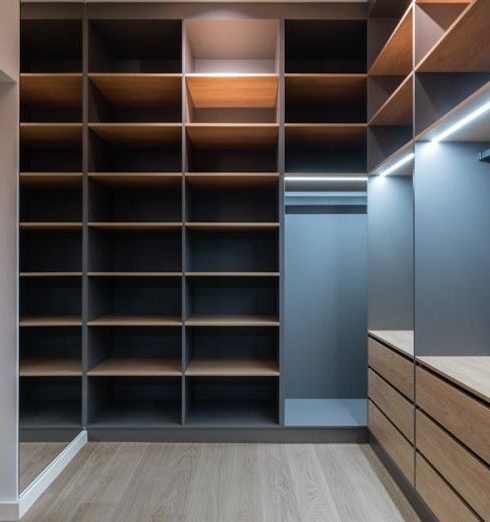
point(390, 253)
point(452, 250)
point(325, 305)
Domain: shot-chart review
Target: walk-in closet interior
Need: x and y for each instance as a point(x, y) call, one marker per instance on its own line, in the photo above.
point(252, 222)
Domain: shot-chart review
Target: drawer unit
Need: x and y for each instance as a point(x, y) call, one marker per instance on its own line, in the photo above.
point(463, 416)
point(399, 410)
point(441, 499)
point(466, 474)
point(392, 441)
point(393, 367)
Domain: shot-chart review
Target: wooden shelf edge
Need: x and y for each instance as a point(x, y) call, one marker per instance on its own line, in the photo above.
point(232, 368)
point(392, 99)
point(137, 367)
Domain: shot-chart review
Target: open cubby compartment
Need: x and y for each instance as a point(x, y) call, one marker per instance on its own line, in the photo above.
point(312, 149)
point(215, 350)
point(233, 296)
point(50, 250)
point(46, 203)
point(132, 203)
point(390, 100)
point(232, 251)
point(329, 98)
point(432, 20)
point(133, 298)
point(142, 346)
point(387, 8)
point(386, 141)
point(51, 157)
point(50, 402)
point(135, 46)
point(134, 402)
point(52, 296)
point(232, 401)
point(325, 46)
point(51, 46)
point(232, 204)
point(135, 250)
point(134, 155)
point(135, 98)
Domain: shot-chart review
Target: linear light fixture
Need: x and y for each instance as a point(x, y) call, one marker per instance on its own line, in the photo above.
point(326, 178)
point(462, 122)
point(398, 164)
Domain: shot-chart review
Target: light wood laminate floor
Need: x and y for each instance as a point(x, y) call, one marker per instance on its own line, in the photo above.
point(34, 457)
point(136, 482)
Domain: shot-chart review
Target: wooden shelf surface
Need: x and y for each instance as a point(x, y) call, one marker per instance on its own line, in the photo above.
point(136, 366)
point(136, 320)
point(50, 274)
point(241, 91)
point(142, 134)
point(50, 367)
point(135, 274)
point(318, 133)
point(50, 320)
point(232, 320)
point(232, 274)
point(395, 58)
point(397, 109)
point(136, 225)
point(139, 89)
point(237, 135)
point(231, 226)
point(52, 134)
point(48, 225)
point(322, 88)
point(465, 46)
point(400, 340)
point(232, 368)
point(137, 179)
point(50, 179)
point(470, 372)
point(232, 179)
point(51, 89)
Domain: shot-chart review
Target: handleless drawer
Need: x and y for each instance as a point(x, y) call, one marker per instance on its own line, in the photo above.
point(441, 499)
point(392, 441)
point(462, 415)
point(392, 404)
point(395, 368)
point(466, 474)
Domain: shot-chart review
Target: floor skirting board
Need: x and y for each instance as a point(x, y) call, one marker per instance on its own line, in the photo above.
point(253, 435)
point(407, 488)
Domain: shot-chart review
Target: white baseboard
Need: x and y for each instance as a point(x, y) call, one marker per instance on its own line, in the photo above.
point(16, 510)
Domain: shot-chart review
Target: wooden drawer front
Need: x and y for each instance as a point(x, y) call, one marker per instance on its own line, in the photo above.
point(441, 499)
point(397, 370)
point(468, 476)
point(392, 441)
point(464, 417)
point(392, 404)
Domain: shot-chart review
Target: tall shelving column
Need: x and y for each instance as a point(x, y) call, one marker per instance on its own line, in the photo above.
point(232, 223)
point(135, 224)
point(51, 226)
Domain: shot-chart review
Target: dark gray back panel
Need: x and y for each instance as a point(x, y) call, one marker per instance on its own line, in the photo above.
point(325, 303)
point(452, 250)
point(390, 253)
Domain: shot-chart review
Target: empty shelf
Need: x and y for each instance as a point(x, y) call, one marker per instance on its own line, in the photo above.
point(247, 91)
point(50, 414)
point(51, 320)
point(54, 134)
point(143, 134)
point(135, 225)
point(395, 59)
point(225, 180)
point(232, 320)
point(137, 414)
point(397, 109)
point(139, 90)
point(232, 274)
point(231, 226)
point(133, 367)
point(50, 225)
point(51, 89)
point(320, 133)
point(341, 413)
point(137, 179)
point(231, 413)
point(136, 320)
point(54, 179)
point(232, 368)
point(401, 340)
point(135, 274)
point(50, 367)
point(464, 46)
point(50, 274)
point(240, 135)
